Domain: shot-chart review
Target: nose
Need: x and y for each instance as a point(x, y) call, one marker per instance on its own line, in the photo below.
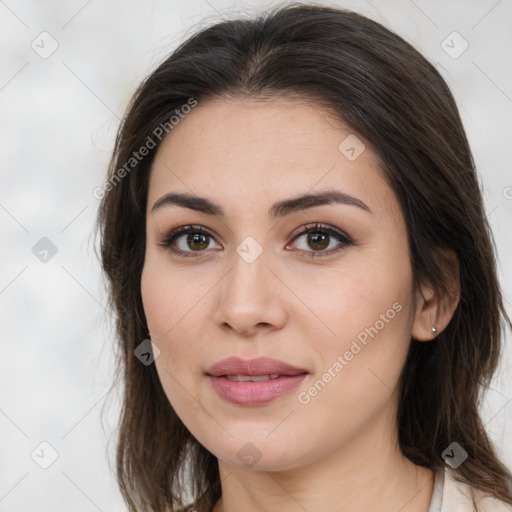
point(250, 298)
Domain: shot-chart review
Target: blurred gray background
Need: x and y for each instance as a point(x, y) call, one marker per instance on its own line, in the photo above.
point(68, 70)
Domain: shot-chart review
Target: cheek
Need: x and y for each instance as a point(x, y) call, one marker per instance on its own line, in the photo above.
point(369, 311)
point(156, 301)
point(170, 298)
point(357, 373)
point(172, 318)
point(175, 311)
point(369, 298)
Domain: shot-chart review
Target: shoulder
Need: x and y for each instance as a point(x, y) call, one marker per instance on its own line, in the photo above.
point(457, 497)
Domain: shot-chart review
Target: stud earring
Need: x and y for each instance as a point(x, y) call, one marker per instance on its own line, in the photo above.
point(434, 329)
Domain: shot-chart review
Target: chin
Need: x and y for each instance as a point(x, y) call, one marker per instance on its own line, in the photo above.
point(259, 454)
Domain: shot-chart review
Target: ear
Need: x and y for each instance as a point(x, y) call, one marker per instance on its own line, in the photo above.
point(435, 308)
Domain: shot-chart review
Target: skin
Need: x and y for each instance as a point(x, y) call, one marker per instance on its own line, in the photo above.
point(338, 451)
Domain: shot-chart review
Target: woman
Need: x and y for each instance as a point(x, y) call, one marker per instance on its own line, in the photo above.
point(303, 277)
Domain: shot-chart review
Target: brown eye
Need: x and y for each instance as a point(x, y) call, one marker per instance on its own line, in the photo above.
point(320, 240)
point(187, 240)
point(197, 241)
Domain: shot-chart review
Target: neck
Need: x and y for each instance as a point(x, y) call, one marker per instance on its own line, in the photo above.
point(369, 473)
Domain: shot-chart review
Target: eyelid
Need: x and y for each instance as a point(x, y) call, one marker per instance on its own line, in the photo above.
point(311, 226)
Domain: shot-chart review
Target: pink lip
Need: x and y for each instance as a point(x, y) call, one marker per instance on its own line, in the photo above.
point(256, 366)
point(253, 393)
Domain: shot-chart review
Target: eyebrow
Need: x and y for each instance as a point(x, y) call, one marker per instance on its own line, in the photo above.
point(277, 211)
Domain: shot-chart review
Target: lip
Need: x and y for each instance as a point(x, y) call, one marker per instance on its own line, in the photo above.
point(257, 392)
point(256, 366)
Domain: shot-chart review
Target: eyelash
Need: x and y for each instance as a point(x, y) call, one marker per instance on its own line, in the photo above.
point(316, 228)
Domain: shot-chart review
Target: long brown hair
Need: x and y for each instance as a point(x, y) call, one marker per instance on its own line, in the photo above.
point(385, 90)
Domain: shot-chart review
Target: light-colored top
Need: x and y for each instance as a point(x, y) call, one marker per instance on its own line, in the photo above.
point(437, 493)
point(449, 495)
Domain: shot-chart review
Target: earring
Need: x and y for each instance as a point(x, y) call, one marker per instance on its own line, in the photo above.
point(434, 329)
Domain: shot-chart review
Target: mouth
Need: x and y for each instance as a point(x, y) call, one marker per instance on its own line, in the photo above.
point(251, 378)
point(257, 367)
point(254, 381)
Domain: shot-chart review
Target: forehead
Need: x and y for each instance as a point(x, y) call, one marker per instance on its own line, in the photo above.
point(284, 130)
point(271, 148)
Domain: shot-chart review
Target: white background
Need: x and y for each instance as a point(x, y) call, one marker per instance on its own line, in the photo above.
point(58, 120)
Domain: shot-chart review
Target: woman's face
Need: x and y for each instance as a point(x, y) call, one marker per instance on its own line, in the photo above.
point(324, 289)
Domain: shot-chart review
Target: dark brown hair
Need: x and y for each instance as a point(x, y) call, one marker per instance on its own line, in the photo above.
point(386, 91)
